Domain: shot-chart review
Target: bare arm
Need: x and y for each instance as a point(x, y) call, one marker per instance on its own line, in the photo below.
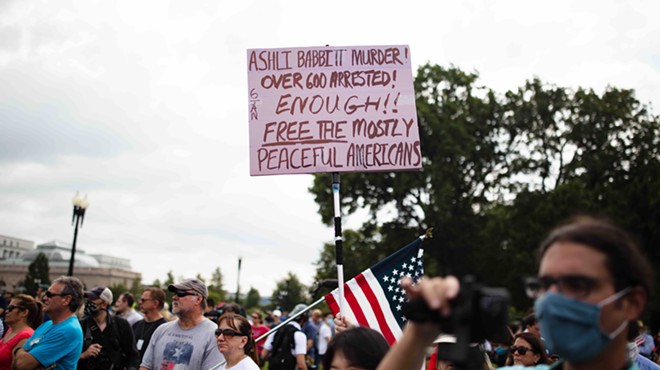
point(23, 360)
point(264, 354)
point(300, 362)
point(410, 350)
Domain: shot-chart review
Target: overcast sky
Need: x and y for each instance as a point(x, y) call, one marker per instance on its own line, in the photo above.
point(143, 106)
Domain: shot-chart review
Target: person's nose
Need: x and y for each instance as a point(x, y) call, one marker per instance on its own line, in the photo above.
point(554, 288)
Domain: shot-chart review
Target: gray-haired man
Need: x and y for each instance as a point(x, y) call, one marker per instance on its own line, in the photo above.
point(189, 342)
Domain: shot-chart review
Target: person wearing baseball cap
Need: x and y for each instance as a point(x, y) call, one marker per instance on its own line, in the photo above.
point(188, 342)
point(108, 340)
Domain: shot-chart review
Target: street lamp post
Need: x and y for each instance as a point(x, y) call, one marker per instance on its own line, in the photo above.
point(80, 204)
point(238, 279)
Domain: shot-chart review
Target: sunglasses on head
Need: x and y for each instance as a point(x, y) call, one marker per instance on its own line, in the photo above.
point(11, 307)
point(183, 293)
point(228, 333)
point(521, 350)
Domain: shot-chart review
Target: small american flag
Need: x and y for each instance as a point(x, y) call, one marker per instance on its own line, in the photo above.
point(640, 341)
point(374, 297)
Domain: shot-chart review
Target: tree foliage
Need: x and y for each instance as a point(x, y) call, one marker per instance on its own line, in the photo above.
point(500, 170)
point(215, 287)
point(253, 298)
point(289, 292)
point(38, 273)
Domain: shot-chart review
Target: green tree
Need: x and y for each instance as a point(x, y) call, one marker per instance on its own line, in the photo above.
point(499, 171)
point(168, 281)
point(136, 288)
point(215, 287)
point(117, 290)
point(253, 298)
point(38, 273)
point(458, 123)
point(289, 292)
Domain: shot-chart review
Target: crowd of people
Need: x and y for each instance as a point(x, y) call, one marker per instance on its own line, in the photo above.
point(593, 285)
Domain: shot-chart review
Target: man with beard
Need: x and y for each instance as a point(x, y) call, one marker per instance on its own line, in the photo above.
point(56, 343)
point(189, 342)
point(108, 340)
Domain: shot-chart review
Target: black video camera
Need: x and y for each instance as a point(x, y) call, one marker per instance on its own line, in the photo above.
point(214, 315)
point(478, 313)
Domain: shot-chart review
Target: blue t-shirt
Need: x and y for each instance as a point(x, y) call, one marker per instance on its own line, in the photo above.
point(60, 344)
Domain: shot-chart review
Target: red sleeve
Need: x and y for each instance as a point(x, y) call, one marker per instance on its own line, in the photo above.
point(6, 349)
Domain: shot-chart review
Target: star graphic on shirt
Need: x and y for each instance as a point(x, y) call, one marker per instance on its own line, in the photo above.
point(177, 353)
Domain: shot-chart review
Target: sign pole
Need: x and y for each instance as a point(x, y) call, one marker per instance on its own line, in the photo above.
point(339, 241)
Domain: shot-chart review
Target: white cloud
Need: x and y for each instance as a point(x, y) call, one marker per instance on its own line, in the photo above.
point(143, 106)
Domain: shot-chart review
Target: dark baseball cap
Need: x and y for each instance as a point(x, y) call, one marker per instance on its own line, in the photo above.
point(100, 292)
point(190, 284)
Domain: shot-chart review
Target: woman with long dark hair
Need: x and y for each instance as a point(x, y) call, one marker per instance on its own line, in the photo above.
point(22, 315)
point(528, 350)
point(236, 342)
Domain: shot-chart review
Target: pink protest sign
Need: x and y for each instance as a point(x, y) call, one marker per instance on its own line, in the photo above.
point(332, 109)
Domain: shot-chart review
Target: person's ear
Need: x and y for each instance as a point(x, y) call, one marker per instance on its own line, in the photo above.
point(636, 301)
point(24, 313)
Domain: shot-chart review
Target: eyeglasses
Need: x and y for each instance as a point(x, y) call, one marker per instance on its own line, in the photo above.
point(145, 299)
point(256, 317)
point(11, 307)
point(521, 350)
point(228, 333)
point(183, 293)
point(577, 286)
point(50, 294)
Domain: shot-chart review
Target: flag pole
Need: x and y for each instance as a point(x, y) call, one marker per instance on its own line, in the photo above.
point(339, 241)
point(289, 319)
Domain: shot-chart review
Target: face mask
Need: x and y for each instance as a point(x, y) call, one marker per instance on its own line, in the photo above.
point(90, 308)
point(571, 328)
point(330, 321)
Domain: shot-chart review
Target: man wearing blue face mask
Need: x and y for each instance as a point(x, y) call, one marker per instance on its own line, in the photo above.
point(592, 281)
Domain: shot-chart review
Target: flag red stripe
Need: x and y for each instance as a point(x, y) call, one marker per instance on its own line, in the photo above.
point(330, 300)
point(355, 306)
point(376, 309)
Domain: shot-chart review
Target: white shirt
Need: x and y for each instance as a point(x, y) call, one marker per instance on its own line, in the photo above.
point(132, 316)
point(299, 337)
point(325, 333)
point(245, 364)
